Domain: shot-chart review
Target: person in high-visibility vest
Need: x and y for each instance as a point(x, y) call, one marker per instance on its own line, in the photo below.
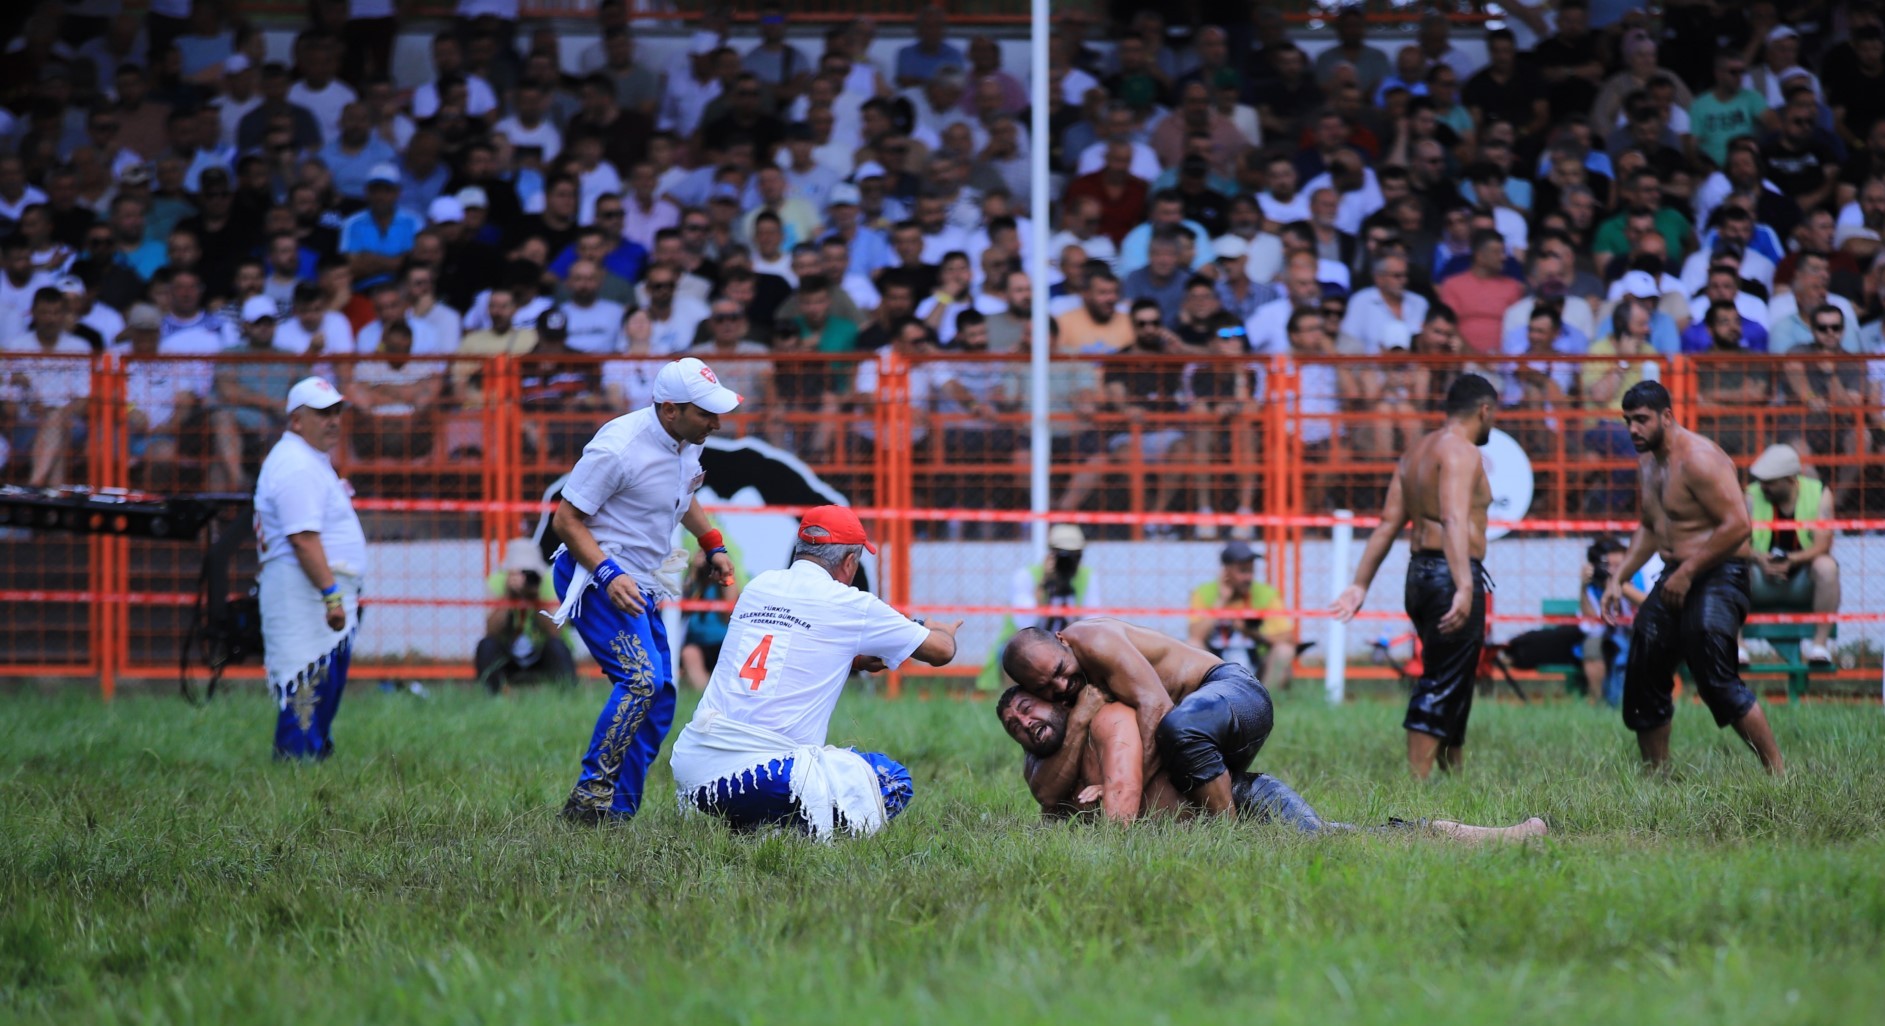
point(1063, 580)
point(1794, 568)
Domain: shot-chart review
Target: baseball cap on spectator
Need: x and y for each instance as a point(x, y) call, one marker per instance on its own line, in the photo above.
point(1847, 232)
point(136, 174)
point(839, 525)
point(1237, 552)
point(143, 317)
point(1780, 32)
point(553, 322)
point(843, 194)
point(236, 65)
point(383, 174)
point(69, 285)
point(691, 381)
point(1230, 247)
point(868, 170)
point(445, 210)
point(702, 43)
point(258, 308)
point(1641, 285)
point(313, 393)
point(1777, 462)
point(1394, 335)
point(1066, 538)
point(472, 197)
point(724, 191)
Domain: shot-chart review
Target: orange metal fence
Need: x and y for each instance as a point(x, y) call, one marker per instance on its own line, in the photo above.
point(1159, 459)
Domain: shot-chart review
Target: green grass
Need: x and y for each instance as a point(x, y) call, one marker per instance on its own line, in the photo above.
point(155, 867)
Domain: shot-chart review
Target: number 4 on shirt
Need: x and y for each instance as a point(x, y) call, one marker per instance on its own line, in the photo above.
point(760, 661)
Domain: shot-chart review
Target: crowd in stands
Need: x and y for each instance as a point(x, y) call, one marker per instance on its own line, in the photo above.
point(1596, 184)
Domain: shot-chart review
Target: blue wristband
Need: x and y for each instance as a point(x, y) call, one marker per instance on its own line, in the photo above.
point(606, 571)
point(332, 589)
point(717, 550)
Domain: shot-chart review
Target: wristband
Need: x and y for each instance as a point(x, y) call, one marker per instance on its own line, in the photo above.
point(330, 590)
point(712, 541)
point(606, 571)
point(331, 601)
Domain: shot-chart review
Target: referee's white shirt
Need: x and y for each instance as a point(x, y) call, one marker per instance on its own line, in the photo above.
point(789, 647)
point(632, 484)
point(298, 491)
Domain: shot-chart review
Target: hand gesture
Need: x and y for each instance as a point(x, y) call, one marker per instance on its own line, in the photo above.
point(1089, 794)
point(1610, 606)
point(1348, 603)
point(1456, 615)
point(722, 568)
point(868, 664)
point(336, 617)
point(626, 595)
point(1675, 588)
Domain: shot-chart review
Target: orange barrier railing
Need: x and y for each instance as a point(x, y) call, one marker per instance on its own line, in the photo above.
point(105, 608)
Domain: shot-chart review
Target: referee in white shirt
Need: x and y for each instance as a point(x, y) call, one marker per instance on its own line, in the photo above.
point(313, 556)
point(755, 752)
point(635, 481)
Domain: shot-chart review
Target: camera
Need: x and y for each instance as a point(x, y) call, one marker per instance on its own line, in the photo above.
point(1597, 555)
point(1066, 565)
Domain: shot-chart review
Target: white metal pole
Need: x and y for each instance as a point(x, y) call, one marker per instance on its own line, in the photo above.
point(1335, 681)
point(1040, 441)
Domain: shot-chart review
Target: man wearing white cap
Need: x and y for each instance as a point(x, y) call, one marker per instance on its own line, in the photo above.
point(313, 555)
point(238, 98)
point(634, 483)
point(1794, 569)
point(377, 239)
point(755, 752)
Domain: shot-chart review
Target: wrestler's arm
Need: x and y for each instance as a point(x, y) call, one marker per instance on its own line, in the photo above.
point(1105, 654)
point(1122, 763)
point(1711, 479)
point(1051, 780)
point(1459, 470)
point(1393, 518)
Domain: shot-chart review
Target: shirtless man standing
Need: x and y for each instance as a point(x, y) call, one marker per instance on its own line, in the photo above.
point(1694, 515)
point(1085, 750)
point(1441, 486)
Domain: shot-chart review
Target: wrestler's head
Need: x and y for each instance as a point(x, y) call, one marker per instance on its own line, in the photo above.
point(1471, 399)
point(1036, 725)
point(1649, 414)
point(1043, 665)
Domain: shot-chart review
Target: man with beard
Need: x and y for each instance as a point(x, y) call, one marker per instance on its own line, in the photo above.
point(1694, 517)
point(1441, 486)
point(1081, 705)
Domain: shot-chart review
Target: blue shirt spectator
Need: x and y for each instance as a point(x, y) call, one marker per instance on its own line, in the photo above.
point(625, 261)
point(350, 168)
point(1132, 250)
point(1695, 338)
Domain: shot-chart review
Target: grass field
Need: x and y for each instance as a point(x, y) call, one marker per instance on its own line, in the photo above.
point(155, 867)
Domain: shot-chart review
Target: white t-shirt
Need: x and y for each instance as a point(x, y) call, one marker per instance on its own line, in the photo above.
point(1145, 162)
point(595, 328)
point(1289, 211)
point(291, 337)
point(677, 332)
point(632, 484)
point(298, 491)
point(480, 98)
point(544, 135)
point(789, 647)
point(54, 378)
point(325, 104)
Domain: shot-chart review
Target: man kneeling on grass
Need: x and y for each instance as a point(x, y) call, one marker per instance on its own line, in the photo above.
point(1081, 707)
point(755, 752)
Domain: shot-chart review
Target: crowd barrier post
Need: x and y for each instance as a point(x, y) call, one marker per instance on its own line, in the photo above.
point(1335, 680)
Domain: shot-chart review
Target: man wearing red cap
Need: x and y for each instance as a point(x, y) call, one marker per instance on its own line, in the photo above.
point(755, 752)
point(634, 483)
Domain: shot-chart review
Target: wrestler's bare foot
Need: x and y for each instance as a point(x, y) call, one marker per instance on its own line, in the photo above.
point(1533, 827)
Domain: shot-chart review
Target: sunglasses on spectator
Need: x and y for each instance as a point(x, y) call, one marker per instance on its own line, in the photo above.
point(1146, 322)
point(608, 213)
point(1831, 329)
point(654, 286)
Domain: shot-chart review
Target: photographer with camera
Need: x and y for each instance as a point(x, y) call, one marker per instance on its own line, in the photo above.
point(519, 646)
point(704, 630)
point(1606, 648)
point(1060, 581)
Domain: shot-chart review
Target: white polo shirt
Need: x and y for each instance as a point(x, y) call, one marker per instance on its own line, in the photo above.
point(789, 647)
point(298, 491)
point(596, 328)
point(632, 484)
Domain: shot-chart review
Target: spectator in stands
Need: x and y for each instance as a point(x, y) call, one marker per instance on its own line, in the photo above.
point(1789, 317)
point(1803, 158)
point(395, 399)
point(918, 62)
point(1480, 296)
point(1727, 112)
point(501, 336)
point(249, 396)
point(1161, 280)
point(1223, 623)
point(1731, 386)
point(1145, 393)
point(1371, 309)
point(1097, 325)
point(728, 338)
point(47, 380)
point(1724, 287)
point(1794, 566)
point(1832, 392)
point(972, 403)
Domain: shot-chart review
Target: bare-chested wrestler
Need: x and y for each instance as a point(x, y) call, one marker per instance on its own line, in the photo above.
point(1695, 516)
point(1441, 486)
point(1085, 749)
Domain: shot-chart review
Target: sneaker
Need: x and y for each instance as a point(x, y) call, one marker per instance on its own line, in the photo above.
point(1741, 655)
point(1814, 652)
point(1244, 532)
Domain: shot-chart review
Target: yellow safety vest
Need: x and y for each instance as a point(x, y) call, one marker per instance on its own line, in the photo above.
point(1806, 506)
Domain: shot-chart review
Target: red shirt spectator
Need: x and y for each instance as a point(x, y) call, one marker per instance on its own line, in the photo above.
point(1480, 297)
point(1122, 196)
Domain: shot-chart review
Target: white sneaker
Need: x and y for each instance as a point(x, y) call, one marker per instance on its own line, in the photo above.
point(1243, 532)
point(1814, 652)
point(1741, 655)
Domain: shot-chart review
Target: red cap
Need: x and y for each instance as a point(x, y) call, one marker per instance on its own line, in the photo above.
point(841, 527)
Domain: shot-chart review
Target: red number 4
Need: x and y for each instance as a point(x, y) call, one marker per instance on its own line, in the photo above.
point(755, 668)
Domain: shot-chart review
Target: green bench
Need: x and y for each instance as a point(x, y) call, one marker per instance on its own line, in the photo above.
point(1786, 639)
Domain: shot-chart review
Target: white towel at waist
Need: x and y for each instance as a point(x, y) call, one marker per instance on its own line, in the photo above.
point(663, 583)
point(827, 781)
point(297, 643)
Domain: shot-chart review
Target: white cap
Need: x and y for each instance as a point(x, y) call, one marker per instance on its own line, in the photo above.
point(1230, 247)
point(1847, 232)
point(385, 173)
point(472, 197)
point(236, 65)
point(868, 169)
point(1780, 32)
point(255, 308)
point(1640, 284)
point(313, 393)
point(843, 194)
point(691, 381)
point(1066, 538)
point(445, 210)
point(1394, 334)
point(1779, 461)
